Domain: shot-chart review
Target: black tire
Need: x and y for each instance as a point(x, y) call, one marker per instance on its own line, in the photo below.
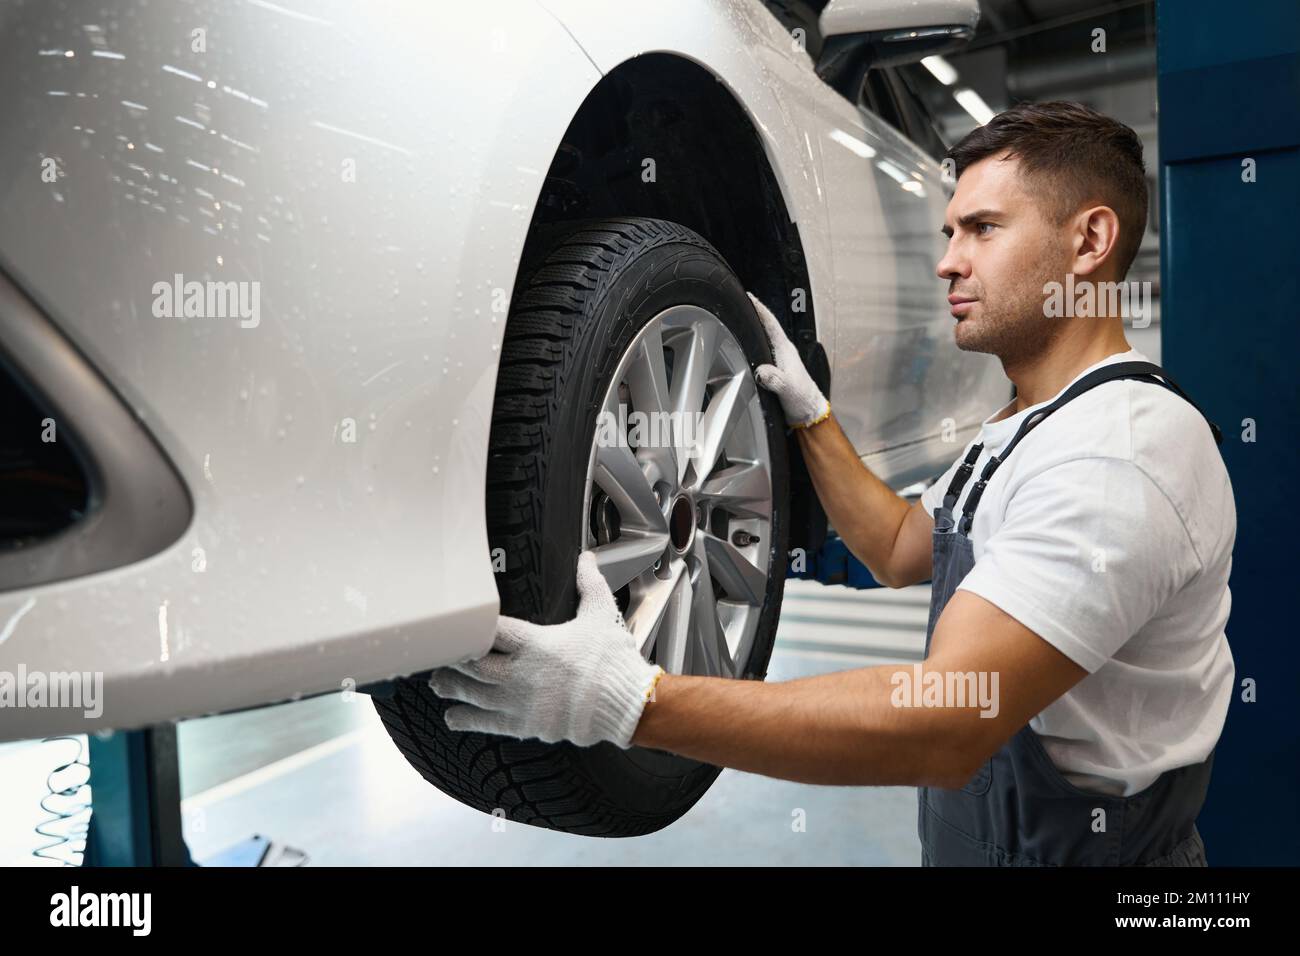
point(593, 285)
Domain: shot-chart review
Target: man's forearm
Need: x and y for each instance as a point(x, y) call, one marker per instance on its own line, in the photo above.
point(863, 510)
point(838, 728)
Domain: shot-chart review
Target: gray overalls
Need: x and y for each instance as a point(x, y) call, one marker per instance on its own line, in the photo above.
point(1018, 810)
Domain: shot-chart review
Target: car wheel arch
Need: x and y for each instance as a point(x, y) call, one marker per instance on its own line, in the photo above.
point(676, 107)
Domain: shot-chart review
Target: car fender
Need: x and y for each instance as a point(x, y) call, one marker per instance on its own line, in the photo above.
point(372, 174)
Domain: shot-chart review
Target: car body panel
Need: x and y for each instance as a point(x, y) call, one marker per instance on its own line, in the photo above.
point(385, 245)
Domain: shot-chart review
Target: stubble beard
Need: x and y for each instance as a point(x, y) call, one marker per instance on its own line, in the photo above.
point(1014, 330)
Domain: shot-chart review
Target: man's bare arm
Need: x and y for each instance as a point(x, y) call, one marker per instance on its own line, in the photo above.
point(843, 728)
point(886, 534)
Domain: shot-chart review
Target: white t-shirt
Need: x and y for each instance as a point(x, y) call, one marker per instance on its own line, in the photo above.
point(1108, 532)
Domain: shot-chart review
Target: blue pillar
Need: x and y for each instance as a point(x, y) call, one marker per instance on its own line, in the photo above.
point(832, 563)
point(1229, 91)
point(136, 800)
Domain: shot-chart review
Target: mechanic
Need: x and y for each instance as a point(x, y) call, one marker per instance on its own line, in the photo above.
point(1079, 551)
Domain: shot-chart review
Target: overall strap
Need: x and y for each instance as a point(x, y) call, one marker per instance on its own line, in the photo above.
point(1142, 371)
point(963, 473)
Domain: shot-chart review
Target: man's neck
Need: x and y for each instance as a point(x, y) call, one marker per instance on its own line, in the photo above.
point(1039, 378)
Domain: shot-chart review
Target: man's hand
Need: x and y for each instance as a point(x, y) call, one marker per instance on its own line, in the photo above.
point(890, 538)
point(584, 680)
point(801, 399)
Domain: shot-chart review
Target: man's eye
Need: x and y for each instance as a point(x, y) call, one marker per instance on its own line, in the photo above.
point(979, 227)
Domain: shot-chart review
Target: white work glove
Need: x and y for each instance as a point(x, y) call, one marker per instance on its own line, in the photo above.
point(801, 399)
point(584, 680)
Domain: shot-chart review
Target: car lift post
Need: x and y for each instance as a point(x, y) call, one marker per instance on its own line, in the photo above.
point(135, 819)
point(834, 563)
point(136, 800)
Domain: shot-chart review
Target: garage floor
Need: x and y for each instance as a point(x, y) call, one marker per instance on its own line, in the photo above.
point(322, 776)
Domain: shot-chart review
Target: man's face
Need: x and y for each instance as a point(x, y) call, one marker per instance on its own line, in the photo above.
point(1002, 249)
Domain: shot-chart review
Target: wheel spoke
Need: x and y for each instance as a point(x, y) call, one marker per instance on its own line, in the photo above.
point(620, 476)
point(647, 377)
point(622, 560)
point(692, 362)
point(675, 636)
point(728, 404)
point(740, 579)
point(744, 489)
point(662, 617)
point(653, 606)
point(709, 654)
point(647, 380)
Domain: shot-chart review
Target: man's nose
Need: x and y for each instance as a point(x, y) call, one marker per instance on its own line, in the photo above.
point(952, 266)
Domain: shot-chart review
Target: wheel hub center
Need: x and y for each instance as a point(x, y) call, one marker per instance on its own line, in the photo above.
point(681, 524)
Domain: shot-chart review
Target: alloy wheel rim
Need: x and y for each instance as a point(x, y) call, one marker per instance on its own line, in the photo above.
point(678, 498)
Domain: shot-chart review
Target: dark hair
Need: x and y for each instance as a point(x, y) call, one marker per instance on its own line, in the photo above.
point(1073, 155)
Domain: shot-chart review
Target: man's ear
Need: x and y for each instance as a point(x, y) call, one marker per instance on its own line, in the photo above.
point(1095, 236)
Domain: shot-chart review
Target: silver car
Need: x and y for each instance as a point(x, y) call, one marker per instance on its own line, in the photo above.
point(313, 316)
